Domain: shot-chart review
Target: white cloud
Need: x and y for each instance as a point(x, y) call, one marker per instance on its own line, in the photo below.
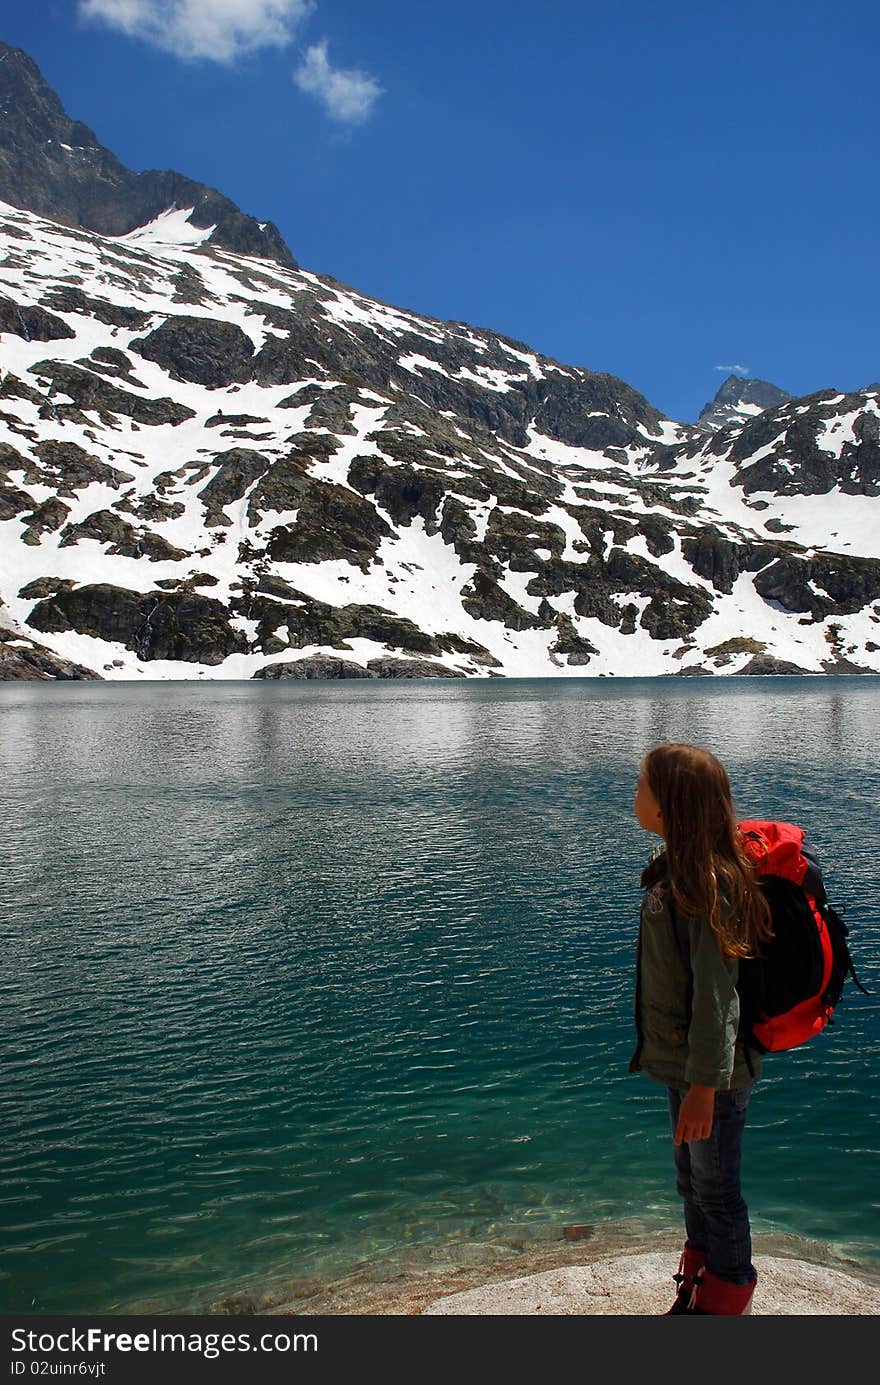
point(220, 30)
point(733, 369)
point(347, 95)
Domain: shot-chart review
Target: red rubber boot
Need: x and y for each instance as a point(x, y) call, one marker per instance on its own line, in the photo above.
point(691, 1262)
point(714, 1295)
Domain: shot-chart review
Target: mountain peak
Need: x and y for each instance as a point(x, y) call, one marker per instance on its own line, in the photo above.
point(30, 110)
point(739, 399)
point(55, 166)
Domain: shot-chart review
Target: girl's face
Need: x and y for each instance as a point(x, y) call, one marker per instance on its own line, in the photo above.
point(647, 809)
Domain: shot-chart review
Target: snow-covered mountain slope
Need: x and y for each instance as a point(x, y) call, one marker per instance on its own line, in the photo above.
point(213, 465)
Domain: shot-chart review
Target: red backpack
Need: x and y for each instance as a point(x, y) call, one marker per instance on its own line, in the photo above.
point(789, 992)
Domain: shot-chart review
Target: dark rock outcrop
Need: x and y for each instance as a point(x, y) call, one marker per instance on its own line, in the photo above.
point(595, 410)
point(767, 663)
point(238, 469)
point(459, 530)
point(13, 501)
point(110, 361)
point(658, 534)
point(843, 666)
point(386, 667)
point(803, 458)
point(189, 287)
point(90, 391)
point(673, 611)
point(827, 584)
point(23, 660)
point(68, 299)
point(484, 599)
point(332, 410)
point(199, 350)
point(70, 468)
point(45, 586)
point(32, 324)
point(323, 666)
point(121, 538)
point(514, 538)
point(332, 523)
point(12, 387)
point(312, 622)
point(721, 561)
point(405, 493)
point(154, 625)
point(44, 519)
point(568, 642)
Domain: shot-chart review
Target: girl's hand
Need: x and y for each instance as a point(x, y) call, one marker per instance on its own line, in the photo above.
point(695, 1115)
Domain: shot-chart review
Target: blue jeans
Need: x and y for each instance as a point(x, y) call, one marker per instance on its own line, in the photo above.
point(708, 1179)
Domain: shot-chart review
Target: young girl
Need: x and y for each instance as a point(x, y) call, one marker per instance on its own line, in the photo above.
point(702, 910)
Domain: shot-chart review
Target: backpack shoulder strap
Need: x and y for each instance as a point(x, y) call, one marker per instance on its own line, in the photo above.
point(813, 882)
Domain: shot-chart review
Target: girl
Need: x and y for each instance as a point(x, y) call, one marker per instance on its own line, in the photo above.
point(702, 910)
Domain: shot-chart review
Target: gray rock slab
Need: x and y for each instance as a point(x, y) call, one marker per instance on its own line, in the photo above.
point(642, 1284)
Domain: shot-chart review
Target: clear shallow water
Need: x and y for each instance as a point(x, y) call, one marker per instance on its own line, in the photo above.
point(299, 979)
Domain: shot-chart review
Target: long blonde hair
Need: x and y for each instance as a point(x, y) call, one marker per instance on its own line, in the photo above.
point(710, 875)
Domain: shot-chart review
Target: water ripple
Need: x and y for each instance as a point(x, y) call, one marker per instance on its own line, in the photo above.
point(295, 977)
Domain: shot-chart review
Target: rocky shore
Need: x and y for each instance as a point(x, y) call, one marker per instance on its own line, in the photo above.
point(595, 1271)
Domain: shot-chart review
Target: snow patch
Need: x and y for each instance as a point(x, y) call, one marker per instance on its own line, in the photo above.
point(171, 227)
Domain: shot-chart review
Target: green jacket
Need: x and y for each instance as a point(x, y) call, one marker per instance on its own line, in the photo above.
point(686, 1002)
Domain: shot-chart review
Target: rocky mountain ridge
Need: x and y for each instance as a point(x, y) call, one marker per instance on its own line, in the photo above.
point(217, 464)
point(56, 166)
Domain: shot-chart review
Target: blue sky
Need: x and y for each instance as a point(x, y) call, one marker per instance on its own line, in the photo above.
point(661, 191)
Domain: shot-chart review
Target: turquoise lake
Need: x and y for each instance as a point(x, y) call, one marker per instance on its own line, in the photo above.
point(307, 978)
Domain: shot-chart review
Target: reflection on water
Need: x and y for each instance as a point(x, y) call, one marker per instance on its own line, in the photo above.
point(299, 976)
